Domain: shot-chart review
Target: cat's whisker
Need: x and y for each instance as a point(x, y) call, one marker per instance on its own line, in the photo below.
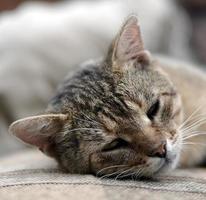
point(109, 175)
point(194, 143)
point(122, 173)
point(194, 135)
point(110, 167)
point(129, 175)
point(194, 125)
point(138, 173)
point(195, 117)
point(188, 133)
point(190, 117)
point(195, 120)
point(133, 175)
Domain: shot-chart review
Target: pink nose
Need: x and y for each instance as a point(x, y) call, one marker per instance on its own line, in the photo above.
point(160, 151)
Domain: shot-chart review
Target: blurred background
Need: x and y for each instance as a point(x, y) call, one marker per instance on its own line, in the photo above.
point(41, 41)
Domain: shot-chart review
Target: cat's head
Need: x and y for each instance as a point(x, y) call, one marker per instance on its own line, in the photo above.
point(117, 117)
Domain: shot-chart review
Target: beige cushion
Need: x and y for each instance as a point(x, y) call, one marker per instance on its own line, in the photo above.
point(31, 175)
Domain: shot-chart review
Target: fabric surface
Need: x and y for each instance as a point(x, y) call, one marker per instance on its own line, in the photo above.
point(31, 175)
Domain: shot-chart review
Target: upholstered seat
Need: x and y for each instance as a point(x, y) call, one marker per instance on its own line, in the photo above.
point(31, 175)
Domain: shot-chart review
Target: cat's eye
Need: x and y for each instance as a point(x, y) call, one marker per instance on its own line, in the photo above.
point(153, 110)
point(115, 144)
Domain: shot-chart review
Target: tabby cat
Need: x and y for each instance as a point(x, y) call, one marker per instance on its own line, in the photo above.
point(128, 114)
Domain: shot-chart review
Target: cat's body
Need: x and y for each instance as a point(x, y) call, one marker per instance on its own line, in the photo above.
point(123, 115)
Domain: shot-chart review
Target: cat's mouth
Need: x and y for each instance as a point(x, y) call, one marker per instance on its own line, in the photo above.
point(159, 166)
point(171, 159)
point(131, 166)
point(166, 164)
point(153, 168)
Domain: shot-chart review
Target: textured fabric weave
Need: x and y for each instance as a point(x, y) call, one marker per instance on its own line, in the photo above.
point(30, 175)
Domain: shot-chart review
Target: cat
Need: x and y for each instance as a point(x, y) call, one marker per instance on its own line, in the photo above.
point(128, 114)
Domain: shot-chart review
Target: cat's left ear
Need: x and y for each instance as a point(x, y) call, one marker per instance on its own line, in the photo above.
point(39, 130)
point(128, 45)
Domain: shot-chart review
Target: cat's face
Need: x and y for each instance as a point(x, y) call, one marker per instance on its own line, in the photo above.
point(118, 118)
point(144, 139)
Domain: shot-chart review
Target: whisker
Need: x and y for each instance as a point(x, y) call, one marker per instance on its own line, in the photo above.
point(109, 175)
point(194, 143)
point(192, 114)
point(138, 173)
point(194, 125)
point(127, 175)
point(125, 171)
point(196, 133)
point(110, 167)
point(196, 119)
point(190, 133)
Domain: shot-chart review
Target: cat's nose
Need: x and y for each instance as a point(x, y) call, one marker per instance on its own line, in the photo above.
point(160, 151)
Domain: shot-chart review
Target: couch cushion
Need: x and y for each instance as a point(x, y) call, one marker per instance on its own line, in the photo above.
point(31, 175)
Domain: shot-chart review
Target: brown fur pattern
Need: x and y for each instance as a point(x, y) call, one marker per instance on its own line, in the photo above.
point(119, 116)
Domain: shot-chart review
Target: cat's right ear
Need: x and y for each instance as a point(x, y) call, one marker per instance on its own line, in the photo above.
point(39, 130)
point(128, 46)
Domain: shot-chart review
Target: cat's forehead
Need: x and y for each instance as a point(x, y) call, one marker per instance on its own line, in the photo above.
point(144, 85)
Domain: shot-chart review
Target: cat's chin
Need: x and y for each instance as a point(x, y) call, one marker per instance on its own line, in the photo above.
point(161, 166)
point(169, 163)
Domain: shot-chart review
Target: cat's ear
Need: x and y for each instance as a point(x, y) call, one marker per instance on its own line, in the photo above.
point(129, 46)
point(38, 130)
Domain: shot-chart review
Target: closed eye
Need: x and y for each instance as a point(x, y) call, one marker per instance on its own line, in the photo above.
point(153, 110)
point(115, 144)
